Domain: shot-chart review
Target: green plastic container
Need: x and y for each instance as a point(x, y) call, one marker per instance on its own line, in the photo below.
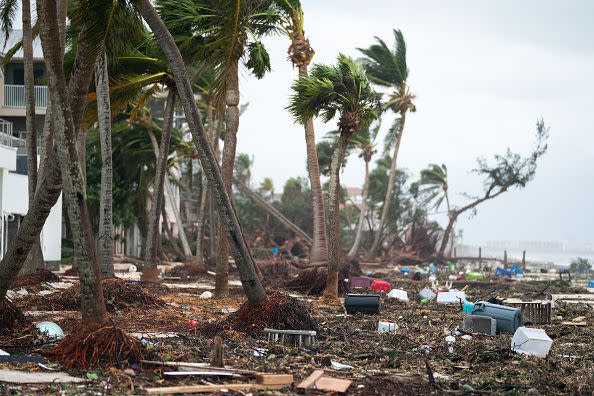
point(474, 276)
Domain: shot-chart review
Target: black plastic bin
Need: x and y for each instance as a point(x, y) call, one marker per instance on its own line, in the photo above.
point(364, 303)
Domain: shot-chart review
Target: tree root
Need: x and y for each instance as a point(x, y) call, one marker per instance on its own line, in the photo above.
point(280, 311)
point(105, 346)
point(10, 317)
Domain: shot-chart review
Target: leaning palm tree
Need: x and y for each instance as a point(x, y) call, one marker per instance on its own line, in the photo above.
point(254, 291)
point(364, 141)
point(330, 90)
point(387, 68)
point(301, 54)
point(223, 32)
point(433, 186)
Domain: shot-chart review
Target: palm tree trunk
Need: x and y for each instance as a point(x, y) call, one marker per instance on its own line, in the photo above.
point(257, 198)
point(176, 214)
point(389, 193)
point(105, 203)
point(334, 217)
point(355, 247)
point(92, 302)
point(49, 185)
point(227, 164)
point(204, 192)
point(319, 249)
point(446, 235)
point(150, 273)
point(35, 258)
point(50, 188)
point(252, 286)
point(169, 233)
point(201, 221)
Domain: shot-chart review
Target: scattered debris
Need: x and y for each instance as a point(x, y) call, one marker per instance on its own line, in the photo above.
point(508, 318)
point(23, 377)
point(533, 342)
point(206, 295)
point(51, 330)
point(339, 366)
point(386, 327)
point(318, 381)
point(479, 324)
point(364, 303)
point(291, 337)
point(398, 294)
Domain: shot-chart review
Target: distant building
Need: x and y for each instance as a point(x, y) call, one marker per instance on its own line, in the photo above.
point(13, 153)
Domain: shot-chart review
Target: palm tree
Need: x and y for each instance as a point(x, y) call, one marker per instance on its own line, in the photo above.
point(364, 141)
point(387, 68)
point(254, 291)
point(433, 186)
point(301, 54)
point(106, 234)
point(266, 186)
point(223, 32)
point(330, 90)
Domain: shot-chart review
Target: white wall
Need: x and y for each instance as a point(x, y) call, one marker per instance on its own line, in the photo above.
point(51, 235)
point(14, 199)
point(8, 157)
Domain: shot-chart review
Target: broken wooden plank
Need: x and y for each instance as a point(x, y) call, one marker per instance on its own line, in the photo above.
point(574, 323)
point(168, 390)
point(274, 379)
point(330, 384)
point(309, 381)
point(199, 365)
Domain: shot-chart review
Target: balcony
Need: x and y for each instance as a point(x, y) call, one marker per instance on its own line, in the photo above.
point(14, 96)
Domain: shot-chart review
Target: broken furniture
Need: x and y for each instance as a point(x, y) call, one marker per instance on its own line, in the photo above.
point(364, 303)
point(317, 380)
point(291, 337)
point(535, 312)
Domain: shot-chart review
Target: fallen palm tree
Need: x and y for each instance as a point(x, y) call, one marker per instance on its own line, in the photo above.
point(274, 212)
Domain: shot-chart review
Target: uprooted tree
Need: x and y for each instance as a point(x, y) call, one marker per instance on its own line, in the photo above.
point(510, 170)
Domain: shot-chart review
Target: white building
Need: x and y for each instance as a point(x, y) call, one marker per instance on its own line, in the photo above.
point(13, 159)
point(14, 200)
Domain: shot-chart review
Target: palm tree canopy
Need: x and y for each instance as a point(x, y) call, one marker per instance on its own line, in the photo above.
point(342, 89)
point(433, 184)
point(221, 31)
point(384, 66)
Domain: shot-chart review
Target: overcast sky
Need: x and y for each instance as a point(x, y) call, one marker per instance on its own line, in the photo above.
point(483, 73)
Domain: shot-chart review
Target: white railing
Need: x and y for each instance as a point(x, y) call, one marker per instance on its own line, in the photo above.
point(14, 95)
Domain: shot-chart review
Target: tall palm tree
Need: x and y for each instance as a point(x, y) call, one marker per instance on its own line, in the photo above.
point(364, 141)
point(106, 232)
point(223, 32)
point(330, 90)
point(252, 285)
point(300, 54)
point(387, 68)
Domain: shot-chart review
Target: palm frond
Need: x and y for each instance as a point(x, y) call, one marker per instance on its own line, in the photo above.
point(8, 10)
point(258, 61)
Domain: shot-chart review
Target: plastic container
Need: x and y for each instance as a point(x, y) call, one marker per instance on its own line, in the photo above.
point(364, 303)
point(360, 282)
point(51, 329)
point(467, 307)
point(386, 327)
point(591, 283)
point(533, 342)
point(503, 272)
point(479, 324)
point(380, 285)
point(405, 271)
point(474, 276)
point(398, 294)
point(426, 294)
point(451, 297)
point(516, 270)
point(508, 318)
point(432, 268)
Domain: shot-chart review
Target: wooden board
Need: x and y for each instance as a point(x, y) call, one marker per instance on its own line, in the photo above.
point(330, 384)
point(309, 381)
point(168, 390)
point(274, 379)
